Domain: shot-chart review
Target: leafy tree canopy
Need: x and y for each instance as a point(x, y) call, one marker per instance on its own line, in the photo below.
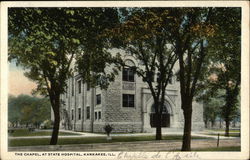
point(27, 109)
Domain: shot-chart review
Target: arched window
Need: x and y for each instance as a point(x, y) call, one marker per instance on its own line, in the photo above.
point(164, 109)
point(127, 73)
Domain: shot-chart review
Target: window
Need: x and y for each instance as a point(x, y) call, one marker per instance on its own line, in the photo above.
point(128, 100)
point(79, 86)
point(79, 113)
point(95, 115)
point(72, 87)
point(170, 81)
point(99, 115)
point(98, 99)
point(72, 114)
point(128, 75)
point(88, 87)
point(88, 113)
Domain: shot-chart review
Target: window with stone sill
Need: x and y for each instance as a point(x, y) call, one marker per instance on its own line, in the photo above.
point(72, 114)
point(98, 99)
point(88, 86)
point(95, 115)
point(128, 100)
point(79, 113)
point(128, 75)
point(79, 86)
point(72, 89)
point(88, 113)
point(99, 115)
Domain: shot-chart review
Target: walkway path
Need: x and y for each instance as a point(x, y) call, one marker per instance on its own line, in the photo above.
point(86, 134)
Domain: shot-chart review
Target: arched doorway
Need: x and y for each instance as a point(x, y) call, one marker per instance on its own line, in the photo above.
point(165, 119)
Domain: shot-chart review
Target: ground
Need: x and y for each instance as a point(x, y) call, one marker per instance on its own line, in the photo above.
point(79, 141)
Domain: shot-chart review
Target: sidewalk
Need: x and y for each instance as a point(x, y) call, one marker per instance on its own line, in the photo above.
point(87, 134)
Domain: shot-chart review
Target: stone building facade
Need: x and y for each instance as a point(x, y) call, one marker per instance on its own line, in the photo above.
point(127, 105)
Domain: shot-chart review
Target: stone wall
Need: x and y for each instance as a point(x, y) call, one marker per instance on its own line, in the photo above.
point(114, 111)
point(124, 119)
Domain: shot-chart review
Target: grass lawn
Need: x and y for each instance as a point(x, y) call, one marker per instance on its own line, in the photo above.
point(25, 132)
point(89, 140)
point(233, 148)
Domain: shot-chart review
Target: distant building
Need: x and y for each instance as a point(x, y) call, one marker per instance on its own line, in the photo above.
point(127, 105)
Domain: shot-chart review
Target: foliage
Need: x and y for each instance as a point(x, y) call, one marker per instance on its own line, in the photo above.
point(108, 128)
point(25, 109)
point(39, 43)
point(211, 110)
point(224, 69)
point(94, 58)
point(45, 42)
point(47, 124)
point(143, 33)
point(190, 30)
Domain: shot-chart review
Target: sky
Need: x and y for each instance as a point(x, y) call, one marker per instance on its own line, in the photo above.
point(18, 83)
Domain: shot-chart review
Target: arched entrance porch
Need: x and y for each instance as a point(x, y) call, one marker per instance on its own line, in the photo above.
point(165, 118)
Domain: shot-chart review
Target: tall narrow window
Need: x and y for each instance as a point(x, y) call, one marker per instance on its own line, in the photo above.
point(99, 115)
point(95, 115)
point(73, 87)
point(98, 99)
point(79, 113)
point(72, 114)
point(128, 75)
point(88, 87)
point(128, 100)
point(79, 86)
point(88, 113)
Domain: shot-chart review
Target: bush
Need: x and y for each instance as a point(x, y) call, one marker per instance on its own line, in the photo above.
point(108, 129)
point(47, 124)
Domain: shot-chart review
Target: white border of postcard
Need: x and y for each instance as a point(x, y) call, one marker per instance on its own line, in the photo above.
point(243, 154)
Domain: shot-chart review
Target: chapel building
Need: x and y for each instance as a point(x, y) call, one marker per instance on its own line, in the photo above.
point(127, 105)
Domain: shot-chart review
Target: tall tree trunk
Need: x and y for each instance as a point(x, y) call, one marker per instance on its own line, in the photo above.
point(186, 141)
point(227, 128)
point(158, 127)
point(54, 137)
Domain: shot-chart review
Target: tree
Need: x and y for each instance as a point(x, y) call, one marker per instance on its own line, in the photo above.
point(25, 109)
point(227, 66)
point(143, 33)
point(211, 108)
point(224, 66)
point(189, 30)
point(15, 105)
point(45, 41)
point(94, 56)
